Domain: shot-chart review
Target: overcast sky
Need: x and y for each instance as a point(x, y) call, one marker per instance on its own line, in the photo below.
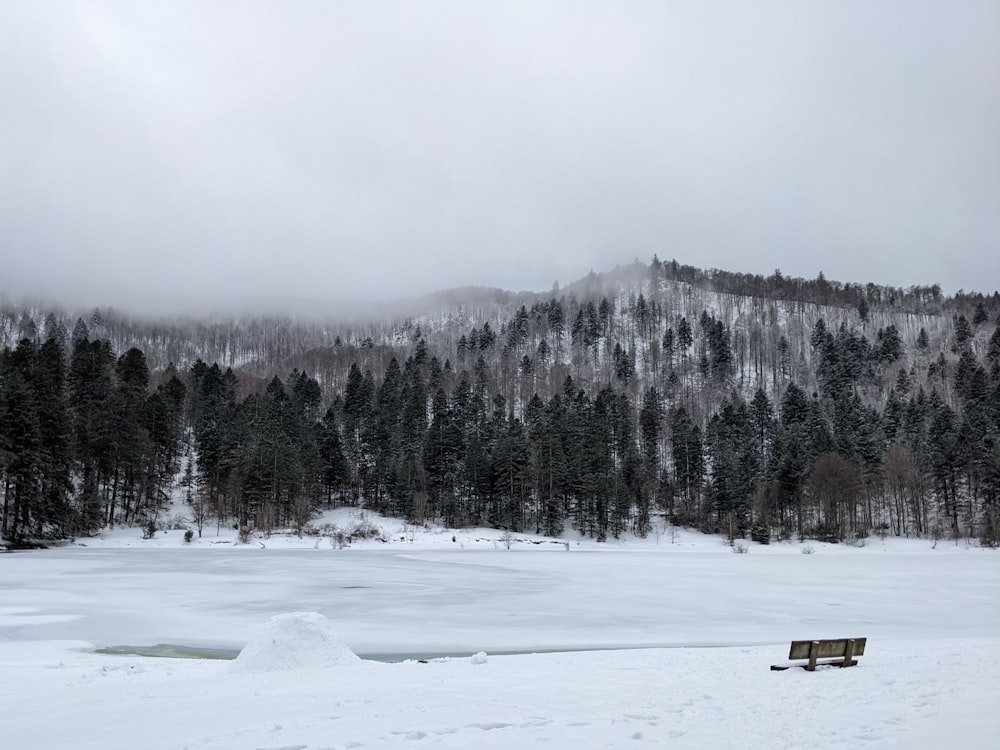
point(203, 156)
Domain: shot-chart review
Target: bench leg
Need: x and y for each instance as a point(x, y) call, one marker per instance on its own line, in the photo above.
point(813, 653)
point(848, 653)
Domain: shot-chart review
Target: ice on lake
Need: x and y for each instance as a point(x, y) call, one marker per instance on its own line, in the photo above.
point(931, 616)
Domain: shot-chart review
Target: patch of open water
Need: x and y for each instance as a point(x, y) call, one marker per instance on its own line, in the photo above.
point(181, 651)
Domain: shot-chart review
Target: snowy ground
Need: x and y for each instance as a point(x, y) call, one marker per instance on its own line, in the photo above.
point(678, 634)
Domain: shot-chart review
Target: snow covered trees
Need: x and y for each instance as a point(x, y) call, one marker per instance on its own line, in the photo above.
point(724, 401)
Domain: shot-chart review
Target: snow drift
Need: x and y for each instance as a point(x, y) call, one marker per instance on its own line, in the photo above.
point(296, 640)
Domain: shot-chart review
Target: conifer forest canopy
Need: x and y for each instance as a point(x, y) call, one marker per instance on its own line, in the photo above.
point(753, 406)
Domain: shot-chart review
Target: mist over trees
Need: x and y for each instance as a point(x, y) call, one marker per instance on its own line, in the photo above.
point(763, 407)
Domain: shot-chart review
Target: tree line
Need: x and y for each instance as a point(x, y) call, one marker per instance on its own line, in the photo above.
point(612, 423)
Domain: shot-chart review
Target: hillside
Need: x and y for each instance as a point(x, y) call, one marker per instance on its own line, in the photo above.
point(751, 405)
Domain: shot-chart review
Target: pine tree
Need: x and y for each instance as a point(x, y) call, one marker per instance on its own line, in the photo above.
point(55, 516)
point(993, 354)
point(963, 333)
point(55, 331)
point(20, 442)
point(332, 461)
point(510, 463)
point(684, 336)
point(922, 339)
point(441, 453)
point(359, 412)
point(689, 465)
point(216, 432)
point(734, 467)
point(131, 458)
point(980, 316)
point(548, 463)
point(944, 447)
point(91, 413)
point(890, 347)
point(80, 332)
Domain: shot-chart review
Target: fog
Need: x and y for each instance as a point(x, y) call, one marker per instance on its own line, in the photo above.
point(191, 157)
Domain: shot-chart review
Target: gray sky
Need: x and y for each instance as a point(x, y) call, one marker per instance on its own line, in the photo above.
point(200, 156)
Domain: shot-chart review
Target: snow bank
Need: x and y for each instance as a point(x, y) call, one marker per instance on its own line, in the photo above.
point(912, 694)
point(297, 640)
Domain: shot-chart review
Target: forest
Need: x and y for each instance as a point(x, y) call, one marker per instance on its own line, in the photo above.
point(656, 394)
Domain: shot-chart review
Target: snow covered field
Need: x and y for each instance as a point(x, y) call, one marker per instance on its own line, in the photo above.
point(676, 635)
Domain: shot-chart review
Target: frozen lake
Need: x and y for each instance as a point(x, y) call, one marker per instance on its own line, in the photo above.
point(930, 614)
point(398, 600)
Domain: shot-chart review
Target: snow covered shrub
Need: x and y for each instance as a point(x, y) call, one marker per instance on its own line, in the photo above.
point(740, 549)
point(761, 533)
point(808, 549)
point(366, 530)
point(188, 536)
point(828, 532)
point(149, 529)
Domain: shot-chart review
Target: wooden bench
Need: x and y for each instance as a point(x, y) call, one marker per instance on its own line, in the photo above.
point(839, 652)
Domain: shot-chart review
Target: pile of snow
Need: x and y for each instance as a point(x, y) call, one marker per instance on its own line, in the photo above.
point(296, 640)
point(480, 658)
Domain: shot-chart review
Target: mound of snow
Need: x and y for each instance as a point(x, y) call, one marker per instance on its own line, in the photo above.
point(479, 657)
point(297, 640)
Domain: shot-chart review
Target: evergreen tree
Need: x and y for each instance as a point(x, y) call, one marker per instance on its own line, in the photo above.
point(684, 336)
point(132, 466)
point(80, 332)
point(359, 413)
point(943, 443)
point(55, 514)
point(963, 333)
point(92, 420)
point(890, 346)
point(511, 479)
point(216, 433)
point(20, 442)
point(734, 467)
point(441, 459)
point(993, 354)
point(922, 339)
point(668, 345)
point(689, 466)
point(548, 464)
point(650, 422)
point(332, 462)
point(980, 316)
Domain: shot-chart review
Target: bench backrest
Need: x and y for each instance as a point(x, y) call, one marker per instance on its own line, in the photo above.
point(826, 649)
